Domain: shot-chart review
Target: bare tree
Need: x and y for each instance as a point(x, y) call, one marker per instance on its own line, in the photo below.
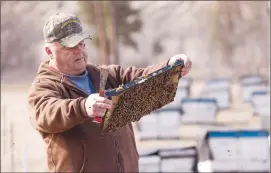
point(100, 23)
point(116, 27)
point(114, 51)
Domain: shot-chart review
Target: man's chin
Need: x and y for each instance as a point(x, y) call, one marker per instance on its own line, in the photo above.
point(81, 69)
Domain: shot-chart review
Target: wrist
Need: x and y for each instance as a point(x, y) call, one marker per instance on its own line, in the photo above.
point(86, 109)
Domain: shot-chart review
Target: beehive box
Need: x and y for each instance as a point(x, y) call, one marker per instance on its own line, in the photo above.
point(141, 96)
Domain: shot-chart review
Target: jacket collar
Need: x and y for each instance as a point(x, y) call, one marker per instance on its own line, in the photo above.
point(45, 71)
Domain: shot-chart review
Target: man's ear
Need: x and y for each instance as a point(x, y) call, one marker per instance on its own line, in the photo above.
point(48, 51)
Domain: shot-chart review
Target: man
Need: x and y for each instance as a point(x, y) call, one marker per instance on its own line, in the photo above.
point(63, 100)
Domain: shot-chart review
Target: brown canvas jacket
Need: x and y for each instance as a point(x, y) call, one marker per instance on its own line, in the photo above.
point(73, 141)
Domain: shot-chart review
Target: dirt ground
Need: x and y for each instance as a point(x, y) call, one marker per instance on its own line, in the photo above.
point(22, 148)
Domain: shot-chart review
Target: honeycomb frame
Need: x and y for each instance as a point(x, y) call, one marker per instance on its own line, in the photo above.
point(139, 97)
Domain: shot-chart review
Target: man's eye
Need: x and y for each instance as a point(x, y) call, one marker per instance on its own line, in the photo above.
point(82, 44)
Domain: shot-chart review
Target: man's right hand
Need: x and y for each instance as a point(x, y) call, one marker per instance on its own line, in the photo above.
point(96, 105)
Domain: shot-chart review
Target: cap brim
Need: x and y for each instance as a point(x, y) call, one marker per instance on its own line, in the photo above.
point(74, 40)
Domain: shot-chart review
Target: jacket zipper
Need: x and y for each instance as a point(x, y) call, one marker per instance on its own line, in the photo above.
point(119, 165)
point(112, 136)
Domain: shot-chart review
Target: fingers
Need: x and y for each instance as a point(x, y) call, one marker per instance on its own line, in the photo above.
point(100, 113)
point(96, 105)
point(183, 73)
point(100, 99)
point(96, 113)
point(186, 69)
point(102, 106)
point(99, 109)
point(188, 65)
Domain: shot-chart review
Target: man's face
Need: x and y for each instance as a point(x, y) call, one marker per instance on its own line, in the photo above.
point(70, 61)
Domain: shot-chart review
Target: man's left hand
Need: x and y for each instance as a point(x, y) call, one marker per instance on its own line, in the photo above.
point(187, 63)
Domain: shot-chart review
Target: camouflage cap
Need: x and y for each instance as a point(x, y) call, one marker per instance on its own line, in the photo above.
point(64, 28)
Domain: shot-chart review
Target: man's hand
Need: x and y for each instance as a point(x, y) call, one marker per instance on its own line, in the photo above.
point(96, 105)
point(187, 63)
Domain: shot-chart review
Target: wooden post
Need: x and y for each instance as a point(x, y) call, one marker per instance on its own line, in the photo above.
point(11, 142)
point(4, 130)
point(24, 158)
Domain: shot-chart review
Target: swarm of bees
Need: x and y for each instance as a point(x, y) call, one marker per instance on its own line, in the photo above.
point(140, 97)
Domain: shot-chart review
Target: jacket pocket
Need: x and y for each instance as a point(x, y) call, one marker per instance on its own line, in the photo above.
point(67, 155)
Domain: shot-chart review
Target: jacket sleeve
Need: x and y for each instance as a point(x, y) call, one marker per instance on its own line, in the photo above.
point(124, 76)
point(52, 114)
